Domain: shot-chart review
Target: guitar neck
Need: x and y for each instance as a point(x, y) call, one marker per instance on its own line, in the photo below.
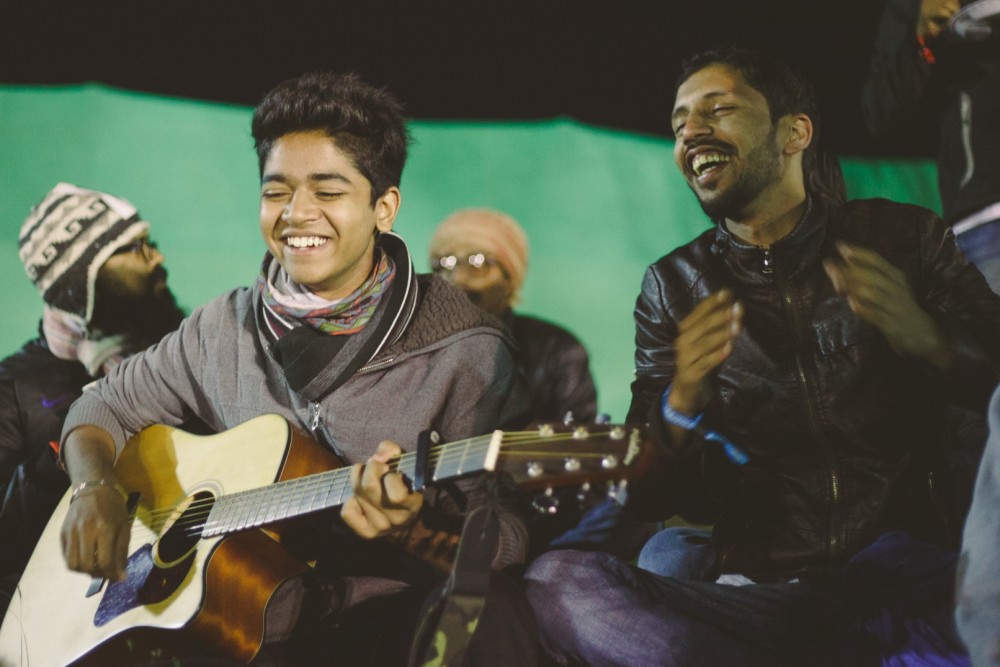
point(295, 497)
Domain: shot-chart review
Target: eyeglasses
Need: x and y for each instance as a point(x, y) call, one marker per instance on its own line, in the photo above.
point(142, 247)
point(477, 263)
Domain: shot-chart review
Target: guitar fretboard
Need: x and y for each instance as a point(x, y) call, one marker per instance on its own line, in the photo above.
point(283, 500)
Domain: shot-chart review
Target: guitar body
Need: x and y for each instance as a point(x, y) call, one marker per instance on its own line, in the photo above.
point(213, 594)
point(206, 552)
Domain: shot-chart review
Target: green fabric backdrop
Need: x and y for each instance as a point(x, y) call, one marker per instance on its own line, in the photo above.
point(598, 206)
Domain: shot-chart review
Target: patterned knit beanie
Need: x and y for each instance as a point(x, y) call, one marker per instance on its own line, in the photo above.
point(68, 236)
point(486, 231)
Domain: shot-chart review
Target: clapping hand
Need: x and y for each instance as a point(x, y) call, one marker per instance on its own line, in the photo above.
point(880, 294)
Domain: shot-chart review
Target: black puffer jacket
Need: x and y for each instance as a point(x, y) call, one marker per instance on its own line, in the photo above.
point(556, 367)
point(844, 436)
point(36, 390)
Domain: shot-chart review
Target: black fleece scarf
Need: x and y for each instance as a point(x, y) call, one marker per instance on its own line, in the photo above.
point(315, 363)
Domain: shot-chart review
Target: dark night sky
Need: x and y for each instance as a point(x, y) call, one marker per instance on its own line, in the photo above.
point(611, 65)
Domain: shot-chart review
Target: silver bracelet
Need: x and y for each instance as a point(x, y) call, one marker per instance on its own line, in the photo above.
point(89, 484)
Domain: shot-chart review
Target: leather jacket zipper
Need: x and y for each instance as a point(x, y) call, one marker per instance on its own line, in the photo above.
point(834, 524)
point(768, 263)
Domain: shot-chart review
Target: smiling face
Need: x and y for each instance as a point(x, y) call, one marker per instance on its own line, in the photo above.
point(727, 145)
point(316, 214)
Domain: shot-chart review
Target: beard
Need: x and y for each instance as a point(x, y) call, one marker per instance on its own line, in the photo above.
point(143, 318)
point(759, 169)
point(492, 299)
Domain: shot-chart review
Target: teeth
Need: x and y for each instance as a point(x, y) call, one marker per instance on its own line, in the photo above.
point(305, 241)
point(705, 160)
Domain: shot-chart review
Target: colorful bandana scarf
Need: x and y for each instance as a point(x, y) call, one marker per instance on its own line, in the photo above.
point(288, 304)
point(68, 338)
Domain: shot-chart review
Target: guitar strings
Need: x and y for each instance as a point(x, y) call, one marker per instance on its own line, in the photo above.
point(305, 488)
point(451, 452)
point(327, 483)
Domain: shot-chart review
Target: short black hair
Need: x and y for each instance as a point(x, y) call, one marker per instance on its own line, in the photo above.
point(784, 87)
point(786, 91)
point(364, 121)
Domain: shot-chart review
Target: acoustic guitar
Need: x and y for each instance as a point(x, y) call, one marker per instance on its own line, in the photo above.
point(206, 554)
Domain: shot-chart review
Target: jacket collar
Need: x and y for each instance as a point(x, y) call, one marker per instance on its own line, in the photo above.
point(791, 255)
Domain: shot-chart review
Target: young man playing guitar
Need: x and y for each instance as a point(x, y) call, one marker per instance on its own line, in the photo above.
point(341, 338)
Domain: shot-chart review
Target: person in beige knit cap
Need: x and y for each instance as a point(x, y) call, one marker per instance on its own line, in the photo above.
point(485, 253)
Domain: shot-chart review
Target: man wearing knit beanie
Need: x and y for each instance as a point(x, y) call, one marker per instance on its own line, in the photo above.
point(105, 296)
point(485, 253)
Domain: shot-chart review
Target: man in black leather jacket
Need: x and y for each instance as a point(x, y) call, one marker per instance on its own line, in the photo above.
point(820, 343)
point(105, 297)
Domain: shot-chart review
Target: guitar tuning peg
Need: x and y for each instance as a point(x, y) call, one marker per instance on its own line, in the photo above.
point(546, 503)
point(583, 493)
point(568, 418)
point(618, 491)
point(603, 418)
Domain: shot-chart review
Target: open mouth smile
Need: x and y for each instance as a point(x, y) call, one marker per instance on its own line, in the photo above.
point(306, 241)
point(704, 163)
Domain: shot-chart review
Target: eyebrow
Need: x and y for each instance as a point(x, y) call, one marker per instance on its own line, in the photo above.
point(313, 178)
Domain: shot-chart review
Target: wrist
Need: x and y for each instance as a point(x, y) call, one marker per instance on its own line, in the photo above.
point(941, 353)
point(682, 417)
point(92, 485)
point(680, 401)
point(692, 424)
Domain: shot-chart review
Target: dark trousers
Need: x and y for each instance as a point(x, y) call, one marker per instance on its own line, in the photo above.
point(379, 633)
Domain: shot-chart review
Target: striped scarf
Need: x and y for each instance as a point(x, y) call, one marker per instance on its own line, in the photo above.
point(288, 304)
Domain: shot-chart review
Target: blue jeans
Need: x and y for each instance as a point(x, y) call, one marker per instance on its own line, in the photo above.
point(595, 609)
point(981, 246)
point(679, 552)
point(890, 605)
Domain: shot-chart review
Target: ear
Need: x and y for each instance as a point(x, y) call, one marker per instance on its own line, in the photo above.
point(799, 132)
point(386, 208)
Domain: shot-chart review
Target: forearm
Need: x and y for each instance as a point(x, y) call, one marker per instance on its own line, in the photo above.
point(88, 454)
point(930, 342)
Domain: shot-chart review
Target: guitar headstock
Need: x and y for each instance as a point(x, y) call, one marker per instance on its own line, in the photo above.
point(553, 454)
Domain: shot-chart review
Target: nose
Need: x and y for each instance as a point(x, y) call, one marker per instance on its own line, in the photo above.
point(155, 256)
point(298, 210)
point(460, 275)
point(694, 127)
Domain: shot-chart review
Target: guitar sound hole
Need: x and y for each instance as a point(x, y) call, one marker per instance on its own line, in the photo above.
point(184, 532)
